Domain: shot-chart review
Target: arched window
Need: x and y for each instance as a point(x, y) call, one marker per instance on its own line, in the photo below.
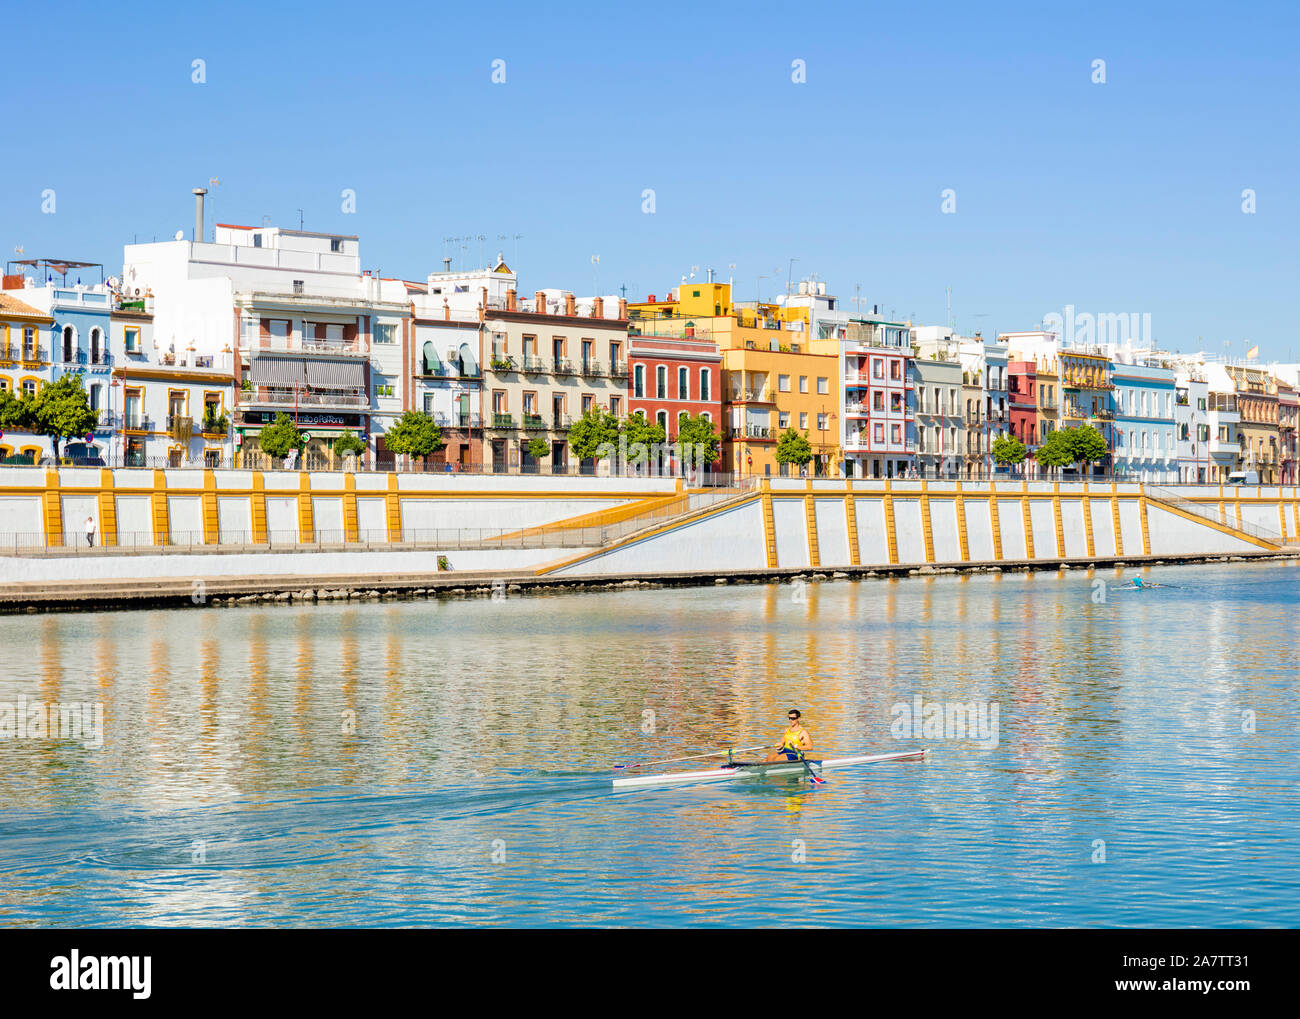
point(638, 376)
point(704, 383)
point(662, 418)
point(683, 384)
point(95, 354)
point(69, 343)
point(661, 382)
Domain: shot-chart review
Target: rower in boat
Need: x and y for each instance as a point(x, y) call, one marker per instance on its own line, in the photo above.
point(795, 743)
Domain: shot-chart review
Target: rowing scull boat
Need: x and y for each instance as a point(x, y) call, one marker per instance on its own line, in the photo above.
point(757, 769)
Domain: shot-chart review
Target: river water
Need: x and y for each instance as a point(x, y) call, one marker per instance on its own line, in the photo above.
point(427, 763)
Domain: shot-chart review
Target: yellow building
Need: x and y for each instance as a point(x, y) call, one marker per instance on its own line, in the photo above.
point(774, 375)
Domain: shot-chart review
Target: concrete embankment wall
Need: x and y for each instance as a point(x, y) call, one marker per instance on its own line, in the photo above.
point(829, 524)
point(47, 508)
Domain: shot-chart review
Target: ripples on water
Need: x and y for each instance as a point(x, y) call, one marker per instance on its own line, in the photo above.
point(228, 791)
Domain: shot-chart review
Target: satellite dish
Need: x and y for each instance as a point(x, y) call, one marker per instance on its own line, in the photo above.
point(180, 235)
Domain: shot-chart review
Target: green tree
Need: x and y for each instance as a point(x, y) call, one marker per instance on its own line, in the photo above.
point(61, 410)
point(414, 434)
point(1008, 450)
point(596, 428)
point(278, 439)
point(13, 412)
point(348, 444)
point(1055, 451)
point(639, 428)
point(699, 434)
point(793, 448)
point(539, 448)
point(1087, 445)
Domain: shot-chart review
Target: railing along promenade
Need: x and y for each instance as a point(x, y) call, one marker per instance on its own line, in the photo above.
point(558, 535)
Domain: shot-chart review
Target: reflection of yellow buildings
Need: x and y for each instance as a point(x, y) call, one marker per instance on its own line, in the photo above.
point(775, 376)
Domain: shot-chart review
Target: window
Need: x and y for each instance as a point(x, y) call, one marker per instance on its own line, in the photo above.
point(878, 433)
point(821, 422)
point(895, 433)
point(588, 402)
point(783, 419)
point(896, 370)
point(638, 382)
point(896, 402)
point(336, 244)
point(530, 404)
point(823, 385)
point(878, 401)
point(662, 419)
point(803, 383)
point(803, 420)
point(615, 354)
point(704, 383)
point(783, 383)
point(386, 333)
point(69, 344)
point(498, 402)
point(615, 405)
point(257, 240)
point(297, 286)
point(29, 387)
point(683, 384)
point(661, 382)
point(877, 368)
point(428, 404)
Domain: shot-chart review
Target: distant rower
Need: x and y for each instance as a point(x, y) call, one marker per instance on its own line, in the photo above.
point(795, 743)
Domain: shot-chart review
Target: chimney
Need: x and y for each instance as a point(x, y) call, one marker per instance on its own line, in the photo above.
point(570, 305)
point(198, 213)
point(539, 302)
point(598, 307)
point(650, 298)
point(446, 265)
point(622, 307)
point(512, 303)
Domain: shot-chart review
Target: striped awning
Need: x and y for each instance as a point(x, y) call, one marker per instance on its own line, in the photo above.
point(431, 361)
point(336, 374)
point(276, 371)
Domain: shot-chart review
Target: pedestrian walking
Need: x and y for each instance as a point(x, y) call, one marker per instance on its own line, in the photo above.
point(90, 532)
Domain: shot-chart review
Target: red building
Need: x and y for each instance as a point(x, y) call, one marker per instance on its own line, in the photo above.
point(1021, 385)
point(670, 377)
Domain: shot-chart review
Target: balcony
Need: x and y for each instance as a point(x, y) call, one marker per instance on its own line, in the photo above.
point(752, 432)
point(750, 396)
point(618, 369)
point(32, 355)
point(534, 423)
point(297, 345)
point(974, 417)
point(271, 397)
point(591, 369)
point(562, 366)
point(857, 409)
point(534, 365)
point(503, 421)
point(180, 427)
point(134, 421)
point(504, 365)
point(103, 359)
point(1102, 414)
point(561, 422)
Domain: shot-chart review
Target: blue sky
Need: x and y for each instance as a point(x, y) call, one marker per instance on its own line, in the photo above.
point(1115, 197)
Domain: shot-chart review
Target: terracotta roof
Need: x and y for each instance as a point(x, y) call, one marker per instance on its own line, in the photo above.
point(11, 307)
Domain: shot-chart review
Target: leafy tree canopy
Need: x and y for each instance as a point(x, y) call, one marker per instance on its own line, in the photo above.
point(596, 428)
point(61, 410)
point(700, 434)
point(793, 448)
point(414, 434)
point(1007, 450)
point(281, 437)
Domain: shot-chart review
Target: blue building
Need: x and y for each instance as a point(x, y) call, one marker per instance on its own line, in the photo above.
point(1145, 447)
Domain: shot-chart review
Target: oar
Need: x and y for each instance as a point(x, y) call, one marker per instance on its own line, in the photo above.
point(696, 757)
point(811, 774)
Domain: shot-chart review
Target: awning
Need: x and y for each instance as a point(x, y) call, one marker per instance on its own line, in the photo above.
point(467, 360)
point(336, 374)
point(431, 362)
point(276, 371)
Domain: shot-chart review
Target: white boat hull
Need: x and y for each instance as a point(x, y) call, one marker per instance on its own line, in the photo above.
point(792, 769)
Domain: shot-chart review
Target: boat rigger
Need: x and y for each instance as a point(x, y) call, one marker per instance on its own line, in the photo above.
point(760, 769)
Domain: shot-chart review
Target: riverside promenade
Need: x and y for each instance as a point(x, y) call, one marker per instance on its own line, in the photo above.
point(203, 537)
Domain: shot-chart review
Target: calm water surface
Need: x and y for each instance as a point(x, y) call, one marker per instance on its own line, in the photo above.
point(425, 763)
